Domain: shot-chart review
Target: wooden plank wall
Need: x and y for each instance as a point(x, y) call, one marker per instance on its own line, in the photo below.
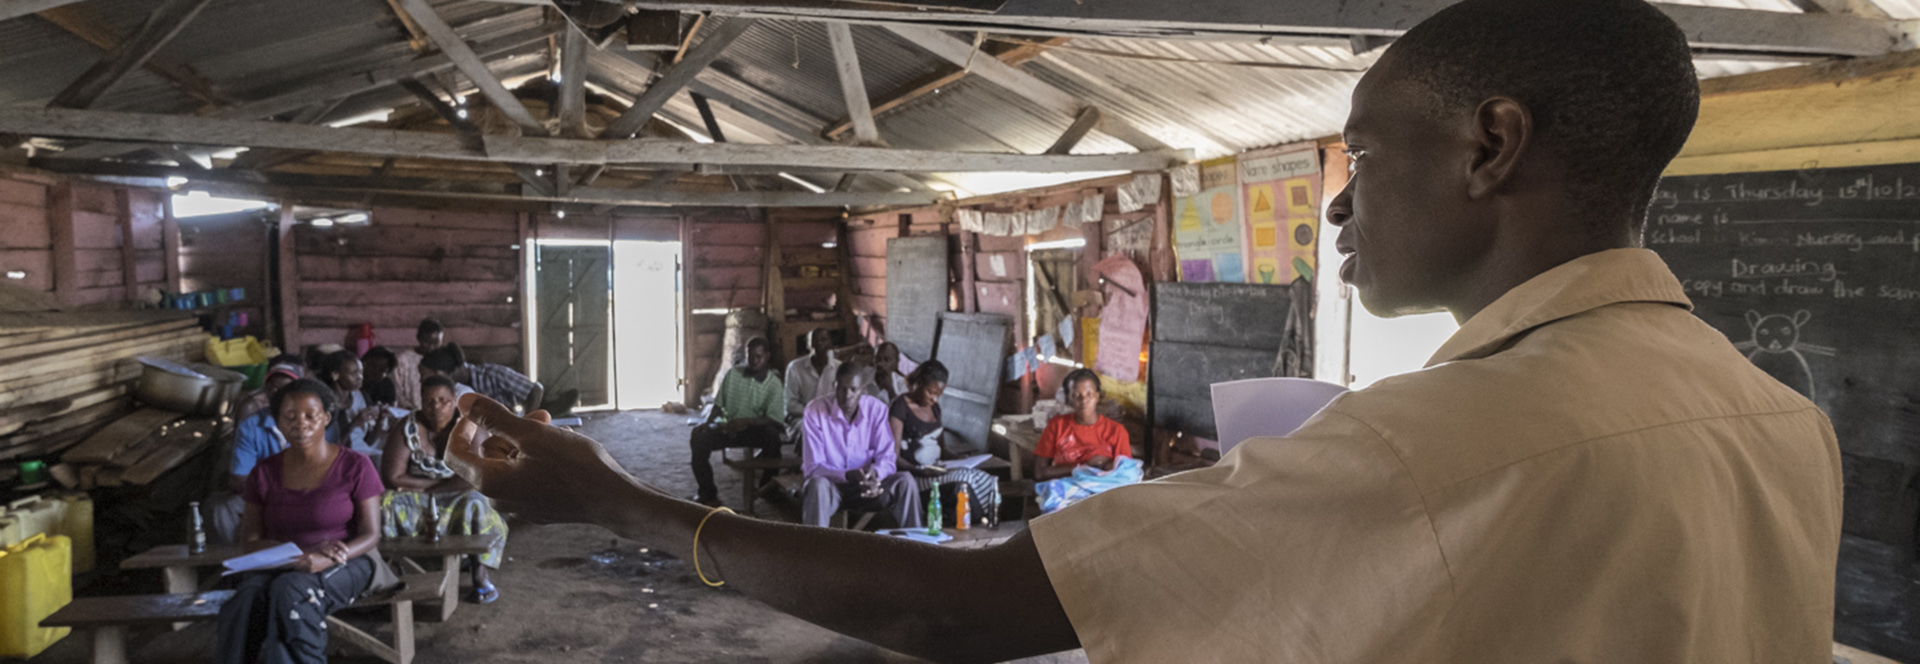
point(90, 244)
point(725, 261)
point(867, 239)
point(230, 251)
point(404, 265)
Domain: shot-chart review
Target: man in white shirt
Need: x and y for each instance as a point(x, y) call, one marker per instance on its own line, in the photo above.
point(803, 377)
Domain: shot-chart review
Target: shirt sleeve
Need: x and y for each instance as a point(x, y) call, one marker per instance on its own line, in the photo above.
point(815, 435)
point(881, 452)
point(1119, 446)
point(365, 481)
point(1049, 445)
point(722, 400)
point(250, 441)
point(1312, 548)
point(790, 386)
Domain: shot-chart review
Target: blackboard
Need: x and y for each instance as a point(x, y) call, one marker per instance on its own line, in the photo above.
point(916, 292)
point(1206, 333)
point(974, 349)
point(1815, 275)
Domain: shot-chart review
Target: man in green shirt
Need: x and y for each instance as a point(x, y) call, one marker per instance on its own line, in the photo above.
point(747, 412)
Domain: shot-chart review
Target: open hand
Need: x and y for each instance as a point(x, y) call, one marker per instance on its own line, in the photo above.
point(539, 471)
point(313, 561)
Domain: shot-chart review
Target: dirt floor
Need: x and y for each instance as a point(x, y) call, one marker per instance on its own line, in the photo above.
point(578, 594)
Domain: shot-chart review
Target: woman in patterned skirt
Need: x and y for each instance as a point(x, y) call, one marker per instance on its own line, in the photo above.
point(419, 480)
point(918, 434)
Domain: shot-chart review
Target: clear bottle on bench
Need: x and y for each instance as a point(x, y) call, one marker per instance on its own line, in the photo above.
point(197, 533)
point(431, 520)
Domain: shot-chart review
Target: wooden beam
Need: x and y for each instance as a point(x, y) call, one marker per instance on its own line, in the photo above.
point(942, 76)
point(1019, 82)
point(82, 22)
point(110, 125)
point(470, 63)
point(470, 131)
point(1707, 28)
point(775, 113)
point(674, 78)
point(852, 86)
point(170, 239)
point(573, 82)
point(1827, 115)
point(287, 279)
point(161, 26)
point(1855, 7)
point(706, 117)
point(347, 85)
point(129, 249)
point(416, 37)
point(66, 258)
point(1082, 124)
point(17, 8)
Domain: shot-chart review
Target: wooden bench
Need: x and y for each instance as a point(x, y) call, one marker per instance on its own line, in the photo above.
point(183, 578)
point(750, 469)
point(109, 618)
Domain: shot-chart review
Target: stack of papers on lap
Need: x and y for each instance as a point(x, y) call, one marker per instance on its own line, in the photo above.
point(968, 462)
point(274, 558)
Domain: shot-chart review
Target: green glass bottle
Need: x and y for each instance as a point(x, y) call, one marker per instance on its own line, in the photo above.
point(933, 512)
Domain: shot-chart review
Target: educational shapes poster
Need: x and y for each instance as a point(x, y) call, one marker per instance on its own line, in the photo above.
point(1207, 228)
point(1282, 193)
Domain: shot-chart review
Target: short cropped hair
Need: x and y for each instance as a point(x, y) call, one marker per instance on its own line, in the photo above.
point(846, 369)
point(331, 365)
point(445, 359)
point(757, 341)
point(381, 353)
point(930, 371)
point(1610, 84)
point(429, 326)
point(1081, 374)
point(431, 382)
point(305, 386)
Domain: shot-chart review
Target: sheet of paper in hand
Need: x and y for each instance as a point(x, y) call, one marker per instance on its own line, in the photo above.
point(274, 558)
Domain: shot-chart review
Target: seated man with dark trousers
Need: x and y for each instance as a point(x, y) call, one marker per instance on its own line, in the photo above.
point(747, 412)
point(847, 454)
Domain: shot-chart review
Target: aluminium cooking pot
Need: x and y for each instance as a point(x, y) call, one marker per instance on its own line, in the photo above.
point(199, 389)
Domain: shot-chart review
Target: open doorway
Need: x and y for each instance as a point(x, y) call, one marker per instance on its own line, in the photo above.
point(608, 321)
point(647, 323)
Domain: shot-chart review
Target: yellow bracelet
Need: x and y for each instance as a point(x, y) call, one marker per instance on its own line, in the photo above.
point(696, 546)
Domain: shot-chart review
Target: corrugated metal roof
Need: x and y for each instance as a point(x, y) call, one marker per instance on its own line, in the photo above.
point(1214, 97)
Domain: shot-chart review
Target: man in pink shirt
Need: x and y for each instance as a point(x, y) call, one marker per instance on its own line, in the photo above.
point(848, 457)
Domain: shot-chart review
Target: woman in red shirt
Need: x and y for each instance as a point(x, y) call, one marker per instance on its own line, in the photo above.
point(1082, 438)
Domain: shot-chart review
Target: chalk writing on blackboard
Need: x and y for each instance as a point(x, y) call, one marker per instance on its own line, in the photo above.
point(1776, 347)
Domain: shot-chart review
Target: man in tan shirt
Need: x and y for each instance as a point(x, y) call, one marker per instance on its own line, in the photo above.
point(1584, 473)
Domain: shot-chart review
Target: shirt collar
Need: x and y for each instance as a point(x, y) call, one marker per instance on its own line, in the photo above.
point(1574, 287)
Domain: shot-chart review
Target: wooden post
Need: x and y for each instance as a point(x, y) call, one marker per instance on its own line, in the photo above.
point(288, 281)
point(525, 257)
point(66, 260)
point(969, 293)
point(170, 238)
point(690, 397)
point(129, 249)
point(773, 291)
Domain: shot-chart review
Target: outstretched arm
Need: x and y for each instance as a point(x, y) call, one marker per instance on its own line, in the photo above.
point(866, 586)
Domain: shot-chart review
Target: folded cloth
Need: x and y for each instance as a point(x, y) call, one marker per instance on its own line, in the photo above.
point(1084, 482)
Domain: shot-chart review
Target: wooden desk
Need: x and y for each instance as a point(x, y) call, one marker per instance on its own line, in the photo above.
point(183, 579)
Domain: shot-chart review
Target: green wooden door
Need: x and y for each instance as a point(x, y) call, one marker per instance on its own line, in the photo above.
point(572, 298)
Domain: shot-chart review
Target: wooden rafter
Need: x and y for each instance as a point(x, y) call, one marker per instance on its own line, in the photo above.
point(675, 78)
point(470, 131)
point(1013, 54)
point(1714, 29)
point(573, 82)
point(82, 22)
point(853, 86)
point(416, 37)
point(1019, 82)
point(161, 26)
point(107, 125)
point(470, 63)
point(17, 8)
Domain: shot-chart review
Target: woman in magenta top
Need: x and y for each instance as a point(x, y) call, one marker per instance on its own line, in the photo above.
point(1080, 438)
point(325, 499)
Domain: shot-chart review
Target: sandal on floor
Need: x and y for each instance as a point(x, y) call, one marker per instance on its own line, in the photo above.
point(485, 593)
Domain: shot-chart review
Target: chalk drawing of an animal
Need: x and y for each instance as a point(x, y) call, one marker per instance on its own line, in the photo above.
point(1775, 346)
